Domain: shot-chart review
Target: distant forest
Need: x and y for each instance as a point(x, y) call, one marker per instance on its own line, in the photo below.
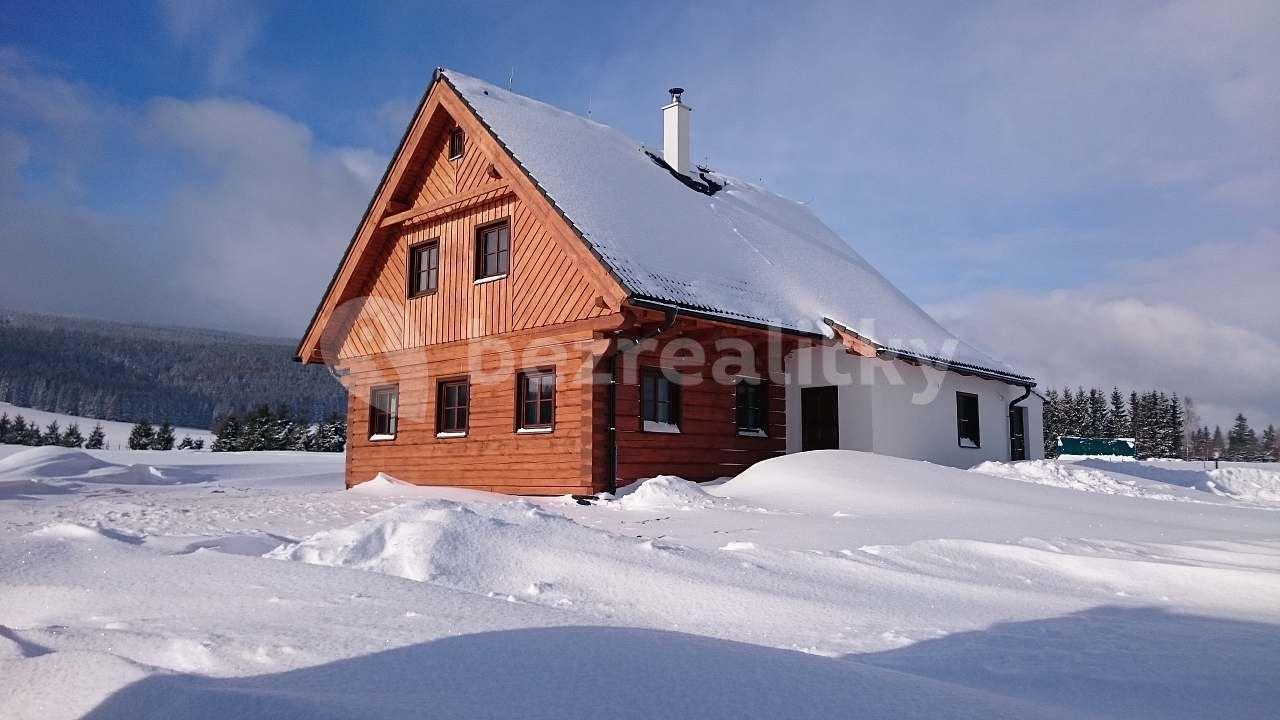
point(121, 371)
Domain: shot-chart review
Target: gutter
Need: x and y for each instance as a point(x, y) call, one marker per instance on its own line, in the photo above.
point(611, 363)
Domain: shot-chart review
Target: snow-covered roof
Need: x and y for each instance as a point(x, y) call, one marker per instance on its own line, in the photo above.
point(743, 253)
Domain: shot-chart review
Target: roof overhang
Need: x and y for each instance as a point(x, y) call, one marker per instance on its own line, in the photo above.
point(862, 346)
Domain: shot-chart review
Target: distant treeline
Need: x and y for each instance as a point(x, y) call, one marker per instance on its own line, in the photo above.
point(279, 429)
point(17, 431)
point(1161, 424)
point(119, 371)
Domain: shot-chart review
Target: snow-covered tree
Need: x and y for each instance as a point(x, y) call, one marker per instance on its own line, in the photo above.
point(97, 438)
point(52, 434)
point(71, 437)
point(163, 439)
point(1097, 413)
point(1117, 424)
point(6, 427)
point(329, 436)
point(1051, 421)
point(1242, 441)
point(1271, 444)
point(141, 435)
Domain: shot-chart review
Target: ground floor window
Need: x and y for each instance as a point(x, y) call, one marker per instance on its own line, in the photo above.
point(751, 405)
point(452, 406)
point(967, 420)
point(535, 399)
point(660, 402)
point(383, 406)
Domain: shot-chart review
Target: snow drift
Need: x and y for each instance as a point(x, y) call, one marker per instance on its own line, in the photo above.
point(664, 492)
point(1168, 480)
point(60, 463)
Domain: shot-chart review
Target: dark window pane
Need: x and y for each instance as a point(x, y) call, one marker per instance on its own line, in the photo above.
point(967, 426)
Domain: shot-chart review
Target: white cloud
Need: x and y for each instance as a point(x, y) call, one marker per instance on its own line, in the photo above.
point(244, 235)
point(1203, 323)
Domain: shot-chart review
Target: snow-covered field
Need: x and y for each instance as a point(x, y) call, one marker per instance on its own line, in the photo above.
point(117, 432)
point(832, 584)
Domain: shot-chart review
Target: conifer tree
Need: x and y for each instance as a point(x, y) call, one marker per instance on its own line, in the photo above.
point(71, 437)
point(52, 434)
point(97, 438)
point(1270, 444)
point(1242, 441)
point(163, 439)
point(1117, 424)
point(18, 431)
point(141, 435)
point(186, 443)
point(1097, 413)
point(1051, 421)
point(1219, 444)
point(6, 428)
point(227, 435)
point(1176, 431)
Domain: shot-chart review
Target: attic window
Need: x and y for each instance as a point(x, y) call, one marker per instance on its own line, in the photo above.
point(457, 143)
point(493, 250)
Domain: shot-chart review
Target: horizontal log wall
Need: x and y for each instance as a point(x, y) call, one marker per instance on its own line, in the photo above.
point(492, 456)
point(708, 445)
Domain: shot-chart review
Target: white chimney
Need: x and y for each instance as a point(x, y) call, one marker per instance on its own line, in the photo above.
point(675, 132)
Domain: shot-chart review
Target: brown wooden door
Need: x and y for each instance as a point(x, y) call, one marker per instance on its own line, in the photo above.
point(819, 418)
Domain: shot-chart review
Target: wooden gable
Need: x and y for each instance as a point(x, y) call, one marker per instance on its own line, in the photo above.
point(426, 195)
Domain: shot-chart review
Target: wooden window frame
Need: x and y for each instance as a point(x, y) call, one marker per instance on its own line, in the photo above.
point(413, 272)
point(962, 422)
point(443, 431)
point(481, 256)
point(762, 390)
point(456, 154)
point(393, 415)
point(673, 399)
point(521, 402)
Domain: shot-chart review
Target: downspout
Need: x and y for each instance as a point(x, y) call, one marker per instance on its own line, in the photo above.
point(1008, 417)
point(611, 363)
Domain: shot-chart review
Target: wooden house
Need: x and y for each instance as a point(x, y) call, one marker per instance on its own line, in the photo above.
point(534, 303)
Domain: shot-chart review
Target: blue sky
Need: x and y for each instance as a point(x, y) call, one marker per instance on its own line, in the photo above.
point(1088, 189)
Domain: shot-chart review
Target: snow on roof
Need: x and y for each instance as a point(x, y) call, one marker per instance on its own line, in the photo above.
point(743, 253)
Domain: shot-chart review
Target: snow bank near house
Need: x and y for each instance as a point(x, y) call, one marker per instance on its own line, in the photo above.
point(59, 463)
point(384, 485)
point(664, 492)
point(1245, 483)
point(512, 549)
point(1072, 477)
point(1138, 479)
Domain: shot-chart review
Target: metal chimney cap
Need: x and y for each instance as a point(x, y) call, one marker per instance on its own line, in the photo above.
point(676, 92)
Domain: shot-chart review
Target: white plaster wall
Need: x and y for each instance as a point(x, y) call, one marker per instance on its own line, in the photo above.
point(893, 408)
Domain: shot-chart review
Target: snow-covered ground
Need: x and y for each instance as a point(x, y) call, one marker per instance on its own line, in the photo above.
point(117, 432)
point(831, 584)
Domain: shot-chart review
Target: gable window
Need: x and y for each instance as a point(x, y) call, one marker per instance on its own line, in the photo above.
point(457, 143)
point(383, 406)
point(452, 405)
point(424, 268)
point(751, 404)
point(493, 250)
point(967, 430)
point(660, 402)
point(535, 400)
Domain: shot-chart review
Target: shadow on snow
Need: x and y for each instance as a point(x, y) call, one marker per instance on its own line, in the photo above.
point(1110, 661)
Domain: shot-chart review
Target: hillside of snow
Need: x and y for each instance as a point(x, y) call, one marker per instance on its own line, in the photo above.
point(117, 432)
point(827, 584)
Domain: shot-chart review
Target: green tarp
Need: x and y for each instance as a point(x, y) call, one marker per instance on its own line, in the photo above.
point(1123, 447)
